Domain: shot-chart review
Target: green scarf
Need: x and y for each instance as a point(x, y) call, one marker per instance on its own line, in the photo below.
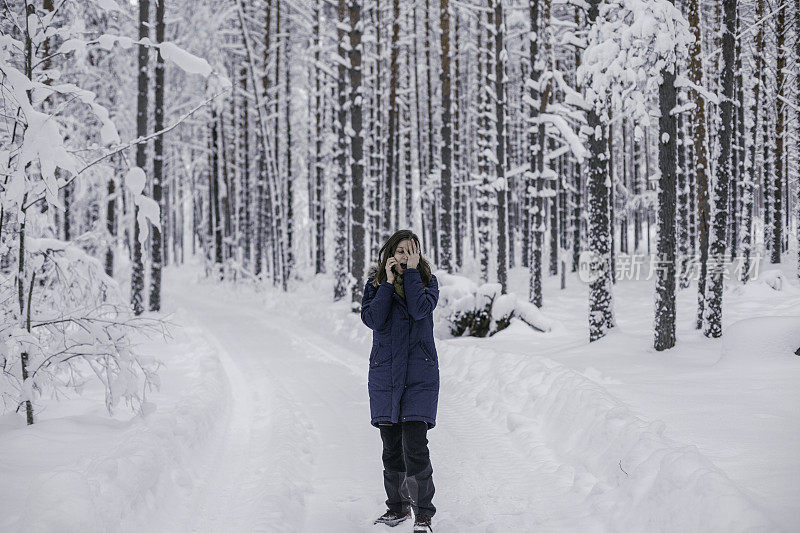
point(398, 286)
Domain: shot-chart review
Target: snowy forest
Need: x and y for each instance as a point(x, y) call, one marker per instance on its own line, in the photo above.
point(550, 154)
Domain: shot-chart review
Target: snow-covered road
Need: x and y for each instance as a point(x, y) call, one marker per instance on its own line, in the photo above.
point(262, 424)
point(298, 452)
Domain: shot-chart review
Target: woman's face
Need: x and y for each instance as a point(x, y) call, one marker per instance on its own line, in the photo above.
point(401, 255)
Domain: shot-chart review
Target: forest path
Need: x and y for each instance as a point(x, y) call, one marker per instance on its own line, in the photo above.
point(297, 452)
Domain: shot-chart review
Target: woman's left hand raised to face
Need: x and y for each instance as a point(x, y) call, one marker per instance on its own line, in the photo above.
point(413, 255)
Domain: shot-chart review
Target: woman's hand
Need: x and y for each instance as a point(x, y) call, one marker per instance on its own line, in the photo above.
point(391, 262)
point(413, 255)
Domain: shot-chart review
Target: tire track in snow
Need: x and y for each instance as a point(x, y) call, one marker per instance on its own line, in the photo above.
point(257, 467)
point(485, 481)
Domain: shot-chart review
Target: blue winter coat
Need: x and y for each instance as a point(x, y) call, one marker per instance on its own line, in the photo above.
point(403, 365)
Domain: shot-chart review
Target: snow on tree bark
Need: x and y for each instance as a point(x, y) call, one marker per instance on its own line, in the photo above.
point(713, 314)
point(137, 267)
point(700, 150)
point(777, 184)
point(357, 154)
point(600, 295)
point(500, 186)
point(446, 244)
point(156, 239)
point(341, 257)
point(665, 280)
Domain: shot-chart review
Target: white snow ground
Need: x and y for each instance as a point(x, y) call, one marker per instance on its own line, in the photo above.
point(263, 424)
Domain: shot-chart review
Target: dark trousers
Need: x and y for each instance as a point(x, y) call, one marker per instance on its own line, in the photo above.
point(407, 471)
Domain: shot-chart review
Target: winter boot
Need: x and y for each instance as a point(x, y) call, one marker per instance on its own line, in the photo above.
point(422, 524)
point(391, 518)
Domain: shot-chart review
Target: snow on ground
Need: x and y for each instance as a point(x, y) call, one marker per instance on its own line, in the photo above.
point(77, 469)
point(263, 423)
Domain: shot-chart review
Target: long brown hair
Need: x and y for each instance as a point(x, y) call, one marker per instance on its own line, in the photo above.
point(387, 251)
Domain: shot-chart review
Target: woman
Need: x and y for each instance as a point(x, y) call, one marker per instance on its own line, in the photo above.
point(397, 306)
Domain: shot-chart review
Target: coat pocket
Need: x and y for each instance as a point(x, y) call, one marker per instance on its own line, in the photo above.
point(430, 352)
point(380, 355)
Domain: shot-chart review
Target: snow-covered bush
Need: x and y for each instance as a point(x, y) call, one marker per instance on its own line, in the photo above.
point(76, 326)
point(481, 310)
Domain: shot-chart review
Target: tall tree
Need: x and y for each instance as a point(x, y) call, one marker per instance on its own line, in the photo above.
point(341, 285)
point(137, 268)
point(287, 80)
point(500, 58)
point(797, 139)
point(750, 155)
point(536, 137)
point(393, 136)
point(446, 244)
point(723, 171)
point(598, 181)
point(665, 282)
point(156, 239)
point(484, 139)
point(700, 151)
point(318, 176)
point(356, 154)
point(780, 131)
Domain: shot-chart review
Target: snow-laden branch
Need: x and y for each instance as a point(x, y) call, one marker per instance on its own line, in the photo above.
point(134, 142)
point(567, 134)
point(171, 52)
point(630, 45)
point(683, 81)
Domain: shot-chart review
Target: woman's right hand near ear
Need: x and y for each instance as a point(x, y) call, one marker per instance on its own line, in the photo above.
point(391, 262)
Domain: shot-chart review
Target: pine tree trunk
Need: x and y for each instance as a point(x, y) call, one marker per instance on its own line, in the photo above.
point(536, 141)
point(446, 256)
point(638, 189)
point(156, 239)
point(429, 172)
point(736, 154)
point(777, 187)
point(682, 228)
point(700, 151)
point(281, 196)
point(404, 203)
point(215, 199)
point(357, 154)
point(137, 268)
point(500, 55)
point(714, 310)
point(458, 161)
point(611, 216)
point(577, 212)
point(665, 280)
point(748, 151)
point(244, 158)
point(319, 163)
point(797, 139)
point(482, 214)
point(600, 295)
point(289, 261)
point(111, 228)
point(393, 136)
point(692, 184)
point(380, 175)
point(342, 264)
point(224, 201)
point(552, 203)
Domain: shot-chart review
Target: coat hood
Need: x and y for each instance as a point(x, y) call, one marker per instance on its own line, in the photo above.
point(372, 271)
